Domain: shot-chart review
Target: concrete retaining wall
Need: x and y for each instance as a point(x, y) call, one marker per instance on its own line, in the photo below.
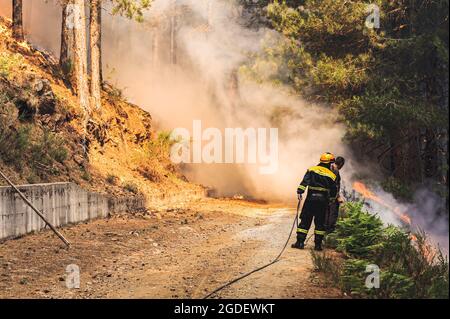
point(61, 203)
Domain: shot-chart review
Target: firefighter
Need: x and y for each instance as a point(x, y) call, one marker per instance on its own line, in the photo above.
point(333, 212)
point(321, 184)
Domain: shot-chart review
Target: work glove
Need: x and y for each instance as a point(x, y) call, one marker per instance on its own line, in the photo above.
point(299, 196)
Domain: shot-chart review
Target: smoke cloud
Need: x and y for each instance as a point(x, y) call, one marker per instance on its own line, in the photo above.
point(205, 84)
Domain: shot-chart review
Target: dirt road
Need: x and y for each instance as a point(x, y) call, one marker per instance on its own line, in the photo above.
point(182, 252)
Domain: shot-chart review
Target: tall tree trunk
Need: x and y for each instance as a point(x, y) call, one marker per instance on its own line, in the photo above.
point(173, 41)
point(17, 17)
point(96, 53)
point(67, 43)
point(155, 48)
point(80, 54)
point(210, 13)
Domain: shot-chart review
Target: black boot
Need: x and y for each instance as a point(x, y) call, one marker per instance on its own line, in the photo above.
point(299, 245)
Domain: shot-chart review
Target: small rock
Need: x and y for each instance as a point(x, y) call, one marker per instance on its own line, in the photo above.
point(78, 159)
point(38, 86)
point(23, 281)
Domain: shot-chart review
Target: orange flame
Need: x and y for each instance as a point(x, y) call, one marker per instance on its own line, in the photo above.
point(405, 218)
point(368, 194)
point(426, 249)
point(365, 192)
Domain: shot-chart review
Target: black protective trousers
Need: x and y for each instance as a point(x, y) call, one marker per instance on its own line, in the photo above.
point(314, 209)
point(332, 217)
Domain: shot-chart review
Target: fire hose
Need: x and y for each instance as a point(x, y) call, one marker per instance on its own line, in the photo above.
point(266, 265)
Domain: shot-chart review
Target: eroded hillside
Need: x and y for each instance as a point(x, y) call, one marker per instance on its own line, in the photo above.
point(44, 138)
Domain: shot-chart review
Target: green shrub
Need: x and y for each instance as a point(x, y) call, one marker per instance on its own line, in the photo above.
point(115, 94)
point(392, 285)
point(15, 144)
point(9, 62)
point(32, 178)
point(439, 283)
point(86, 175)
point(26, 145)
point(160, 147)
point(353, 277)
point(360, 234)
point(131, 187)
point(408, 268)
point(111, 179)
point(395, 286)
point(48, 148)
point(395, 248)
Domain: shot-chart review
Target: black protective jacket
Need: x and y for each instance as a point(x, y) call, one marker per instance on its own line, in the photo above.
point(338, 181)
point(319, 179)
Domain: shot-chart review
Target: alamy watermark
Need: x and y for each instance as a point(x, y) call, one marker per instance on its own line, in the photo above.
point(73, 276)
point(257, 146)
point(373, 19)
point(373, 279)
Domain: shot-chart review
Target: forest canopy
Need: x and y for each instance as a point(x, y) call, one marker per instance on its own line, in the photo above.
point(389, 82)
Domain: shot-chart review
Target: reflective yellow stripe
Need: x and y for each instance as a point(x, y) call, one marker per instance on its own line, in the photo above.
point(320, 189)
point(301, 230)
point(323, 171)
point(302, 187)
point(319, 232)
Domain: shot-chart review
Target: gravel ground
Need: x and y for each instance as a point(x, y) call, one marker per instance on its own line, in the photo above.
point(178, 253)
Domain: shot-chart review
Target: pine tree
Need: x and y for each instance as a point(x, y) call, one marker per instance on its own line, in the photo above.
point(17, 18)
point(67, 41)
point(173, 33)
point(389, 84)
point(96, 53)
point(80, 54)
point(132, 9)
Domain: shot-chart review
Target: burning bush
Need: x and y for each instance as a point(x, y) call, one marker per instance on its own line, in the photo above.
point(410, 267)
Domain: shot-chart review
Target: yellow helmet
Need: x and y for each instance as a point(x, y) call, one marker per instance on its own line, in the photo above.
point(327, 158)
